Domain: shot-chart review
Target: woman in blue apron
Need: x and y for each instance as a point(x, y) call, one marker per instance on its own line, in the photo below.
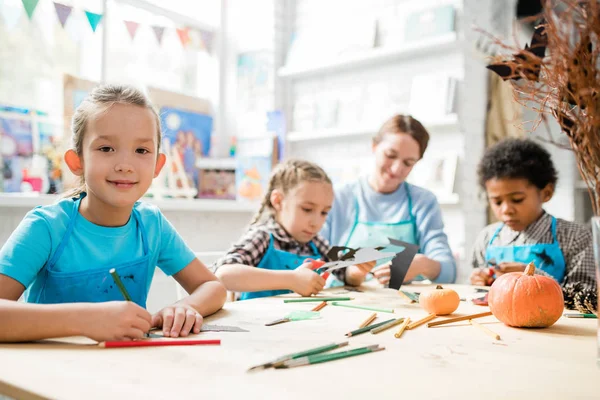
point(383, 205)
point(518, 176)
point(267, 260)
point(61, 254)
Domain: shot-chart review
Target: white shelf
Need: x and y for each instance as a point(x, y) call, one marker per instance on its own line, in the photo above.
point(20, 200)
point(215, 163)
point(297, 136)
point(374, 57)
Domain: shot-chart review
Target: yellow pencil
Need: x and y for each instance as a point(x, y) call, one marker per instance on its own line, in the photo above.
point(421, 321)
point(367, 321)
point(398, 334)
point(485, 330)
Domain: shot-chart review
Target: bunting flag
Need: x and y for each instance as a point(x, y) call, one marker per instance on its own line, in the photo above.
point(159, 31)
point(30, 6)
point(132, 28)
point(11, 15)
point(62, 12)
point(93, 19)
point(184, 36)
point(207, 38)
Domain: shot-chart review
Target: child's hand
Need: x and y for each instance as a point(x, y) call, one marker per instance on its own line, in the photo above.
point(306, 281)
point(362, 270)
point(178, 320)
point(481, 277)
point(383, 273)
point(116, 320)
point(506, 267)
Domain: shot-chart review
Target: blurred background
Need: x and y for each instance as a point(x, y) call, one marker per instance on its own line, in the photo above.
point(241, 85)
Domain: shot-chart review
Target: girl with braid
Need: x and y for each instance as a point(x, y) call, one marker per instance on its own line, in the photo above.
point(275, 254)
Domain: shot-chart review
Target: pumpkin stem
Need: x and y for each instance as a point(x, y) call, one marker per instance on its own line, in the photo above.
point(439, 287)
point(530, 269)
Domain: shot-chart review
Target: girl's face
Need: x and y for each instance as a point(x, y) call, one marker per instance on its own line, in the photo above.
point(303, 210)
point(119, 156)
point(517, 202)
point(395, 157)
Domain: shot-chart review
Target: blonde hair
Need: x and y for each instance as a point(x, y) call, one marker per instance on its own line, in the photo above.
point(408, 125)
point(100, 100)
point(285, 177)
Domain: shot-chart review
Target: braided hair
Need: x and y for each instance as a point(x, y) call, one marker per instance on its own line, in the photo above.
point(285, 177)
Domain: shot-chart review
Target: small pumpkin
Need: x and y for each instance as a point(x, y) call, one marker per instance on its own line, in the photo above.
point(439, 301)
point(526, 300)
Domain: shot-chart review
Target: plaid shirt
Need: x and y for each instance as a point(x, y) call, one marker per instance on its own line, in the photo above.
point(251, 248)
point(575, 242)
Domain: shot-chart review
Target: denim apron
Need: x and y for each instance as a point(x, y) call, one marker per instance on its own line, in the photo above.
point(547, 256)
point(279, 260)
point(93, 285)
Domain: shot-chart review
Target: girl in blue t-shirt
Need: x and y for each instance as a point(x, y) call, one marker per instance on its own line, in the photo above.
point(60, 255)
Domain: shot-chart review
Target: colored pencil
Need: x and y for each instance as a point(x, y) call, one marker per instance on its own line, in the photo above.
point(152, 343)
point(316, 350)
point(484, 329)
point(387, 310)
point(367, 328)
point(313, 299)
point(319, 306)
point(367, 321)
point(398, 334)
point(406, 297)
point(388, 325)
point(320, 358)
point(457, 319)
point(120, 285)
point(421, 321)
point(577, 315)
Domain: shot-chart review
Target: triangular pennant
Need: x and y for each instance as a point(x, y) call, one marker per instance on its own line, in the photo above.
point(195, 40)
point(207, 38)
point(94, 19)
point(30, 6)
point(12, 15)
point(184, 36)
point(159, 31)
point(132, 28)
point(62, 12)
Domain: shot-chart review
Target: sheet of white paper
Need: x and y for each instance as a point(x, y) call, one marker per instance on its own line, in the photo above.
point(361, 256)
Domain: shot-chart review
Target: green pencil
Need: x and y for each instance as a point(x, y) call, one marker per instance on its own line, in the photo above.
point(388, 310)
point(117, 280)
point(320, 358)
point(368, 328)
point(312, 299)
point(293, 356)
point(576, 315)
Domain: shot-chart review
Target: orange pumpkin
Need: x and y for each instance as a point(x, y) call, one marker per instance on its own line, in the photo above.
point(525, 300)
point(439, 301)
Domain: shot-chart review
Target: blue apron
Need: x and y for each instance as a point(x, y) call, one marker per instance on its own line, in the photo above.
point(372, 234)
point(279, 260)
point(547, 256)
point(93, 285)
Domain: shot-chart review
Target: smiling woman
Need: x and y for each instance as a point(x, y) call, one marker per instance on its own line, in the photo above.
point(373, 208)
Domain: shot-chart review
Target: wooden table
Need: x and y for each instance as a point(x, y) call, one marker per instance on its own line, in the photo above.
point(448, 362)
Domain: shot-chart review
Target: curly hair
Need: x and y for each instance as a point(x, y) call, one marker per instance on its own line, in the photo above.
point(517, 159)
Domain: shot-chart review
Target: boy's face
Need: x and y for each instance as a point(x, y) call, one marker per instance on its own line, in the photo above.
point(303, 210)
point(517, 202)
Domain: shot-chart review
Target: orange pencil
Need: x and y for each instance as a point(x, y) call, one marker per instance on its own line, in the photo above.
point(319, 306)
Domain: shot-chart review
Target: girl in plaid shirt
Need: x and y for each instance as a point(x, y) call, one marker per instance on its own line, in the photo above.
point(274, 256)
point(519, 177)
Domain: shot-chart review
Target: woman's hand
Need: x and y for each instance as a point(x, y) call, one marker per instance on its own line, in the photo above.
point(178, 320)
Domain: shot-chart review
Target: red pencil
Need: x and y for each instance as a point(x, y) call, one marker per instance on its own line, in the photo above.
point(149, 343)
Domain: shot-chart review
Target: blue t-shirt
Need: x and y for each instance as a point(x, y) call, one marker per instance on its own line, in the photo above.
point(90, 246)
point(392, 208)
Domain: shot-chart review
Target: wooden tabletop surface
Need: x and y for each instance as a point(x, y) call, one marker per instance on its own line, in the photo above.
point(455, 361)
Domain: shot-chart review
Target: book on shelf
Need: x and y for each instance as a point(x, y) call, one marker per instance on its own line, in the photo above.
point(255, 159)
point(431, 22)
point(432, 96)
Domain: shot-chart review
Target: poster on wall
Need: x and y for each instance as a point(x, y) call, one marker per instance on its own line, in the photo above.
point(189, 135)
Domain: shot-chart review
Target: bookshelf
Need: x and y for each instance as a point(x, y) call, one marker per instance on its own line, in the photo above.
point(377, 56)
